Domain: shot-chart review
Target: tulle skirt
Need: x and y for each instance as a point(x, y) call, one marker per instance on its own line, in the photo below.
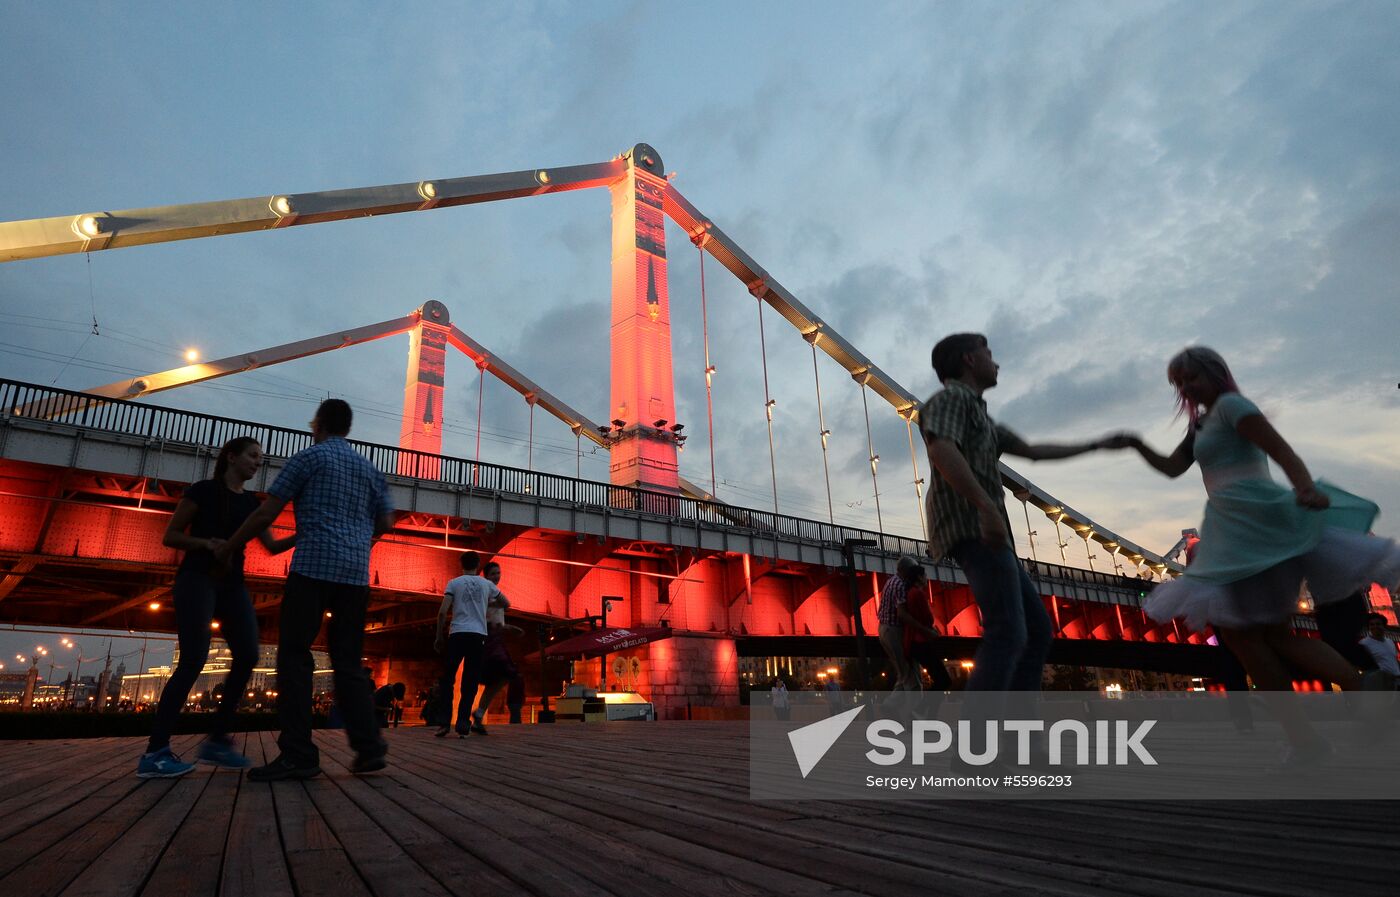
point(1341, 563)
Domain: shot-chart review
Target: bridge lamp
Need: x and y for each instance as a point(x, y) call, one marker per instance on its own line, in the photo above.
point(154, 605)
point(192, 355)
point(89, 226)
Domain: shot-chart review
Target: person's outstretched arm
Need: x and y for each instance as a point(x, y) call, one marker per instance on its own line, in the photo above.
point(1257, 429)
point(1173, 465)
point(1049, 451)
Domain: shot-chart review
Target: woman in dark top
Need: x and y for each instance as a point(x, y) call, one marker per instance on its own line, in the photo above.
point(205, 590)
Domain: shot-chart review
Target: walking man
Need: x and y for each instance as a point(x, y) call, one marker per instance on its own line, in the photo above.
point(341, 503)
point(464, 644)
point(967, 518)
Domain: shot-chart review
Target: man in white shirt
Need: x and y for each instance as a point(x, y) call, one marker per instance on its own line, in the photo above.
point(1380, 647)
point(466, 600)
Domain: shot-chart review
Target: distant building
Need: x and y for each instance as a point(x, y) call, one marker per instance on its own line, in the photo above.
point(145, 688)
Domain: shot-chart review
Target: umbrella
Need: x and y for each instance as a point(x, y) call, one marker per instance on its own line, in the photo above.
point(605, 641)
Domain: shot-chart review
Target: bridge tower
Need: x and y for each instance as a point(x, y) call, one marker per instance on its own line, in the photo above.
point(643, 449)
point(422, 398)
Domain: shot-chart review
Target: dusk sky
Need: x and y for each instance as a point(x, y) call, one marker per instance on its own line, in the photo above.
point(1094, 186)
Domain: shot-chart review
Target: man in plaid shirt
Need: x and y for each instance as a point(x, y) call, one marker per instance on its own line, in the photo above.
point(341, 503)
point(967, 513)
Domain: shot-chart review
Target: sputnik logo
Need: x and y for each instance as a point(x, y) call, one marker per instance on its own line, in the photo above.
point(810, 743)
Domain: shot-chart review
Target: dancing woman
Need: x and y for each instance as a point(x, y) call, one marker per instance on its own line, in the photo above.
point(205, 590)
point(1260, 540)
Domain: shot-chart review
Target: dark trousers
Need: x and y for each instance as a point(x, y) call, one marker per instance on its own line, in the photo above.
point(304, 606)
point(467, 650)
point(1339, 624)
point(1016, 630)
point(928, 655)
point(199, 600)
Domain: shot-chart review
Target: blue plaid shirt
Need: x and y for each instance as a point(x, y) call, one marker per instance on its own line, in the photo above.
point(336, 497)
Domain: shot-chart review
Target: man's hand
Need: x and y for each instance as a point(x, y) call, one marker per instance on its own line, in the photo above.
point(223, 552)
point(1118, 441)
point(439, 644)
point(993, 528)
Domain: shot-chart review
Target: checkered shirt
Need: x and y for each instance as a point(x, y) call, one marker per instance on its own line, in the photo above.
point(336, 497)
point(959, 414)
point(892, 597)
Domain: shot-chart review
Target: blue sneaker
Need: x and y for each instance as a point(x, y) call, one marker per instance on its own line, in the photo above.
point(218, 751)
point(161, 764)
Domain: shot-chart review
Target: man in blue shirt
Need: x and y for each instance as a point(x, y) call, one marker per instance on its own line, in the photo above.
point(341, 503)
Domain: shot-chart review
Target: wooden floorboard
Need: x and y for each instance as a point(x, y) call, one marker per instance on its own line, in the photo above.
point(625, 809)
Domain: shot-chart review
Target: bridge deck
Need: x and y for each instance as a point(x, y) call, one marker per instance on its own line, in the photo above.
point(625, 809)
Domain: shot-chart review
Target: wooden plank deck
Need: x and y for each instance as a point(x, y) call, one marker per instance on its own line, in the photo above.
point(625, 809)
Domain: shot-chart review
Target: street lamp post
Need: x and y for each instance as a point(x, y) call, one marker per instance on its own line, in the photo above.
point(848, 557)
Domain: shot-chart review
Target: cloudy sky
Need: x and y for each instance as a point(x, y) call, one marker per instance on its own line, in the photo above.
point(1093, 186)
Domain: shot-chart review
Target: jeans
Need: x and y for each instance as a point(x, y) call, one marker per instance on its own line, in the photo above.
point(304, 605)
point(199, 600)
point(468, 650)
point(1016, 630)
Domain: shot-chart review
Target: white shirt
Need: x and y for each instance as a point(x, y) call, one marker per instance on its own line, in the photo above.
point(469, 596)
point(1383, 650)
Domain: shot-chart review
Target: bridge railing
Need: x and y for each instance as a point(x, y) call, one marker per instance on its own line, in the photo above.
point(194, 429)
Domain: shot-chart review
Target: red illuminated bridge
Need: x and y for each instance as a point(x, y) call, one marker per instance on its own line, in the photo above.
point(88, 479)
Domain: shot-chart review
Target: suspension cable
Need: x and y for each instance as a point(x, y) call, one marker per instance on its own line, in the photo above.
point(700, 240)
point(918, 480)
point(480, 398)
point(862, 378)
point(812, 338)
point(530, 450)
point(1030, 533)
point(759, 289)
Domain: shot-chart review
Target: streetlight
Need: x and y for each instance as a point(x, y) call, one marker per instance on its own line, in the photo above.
point(848, 556)
point(77, 666)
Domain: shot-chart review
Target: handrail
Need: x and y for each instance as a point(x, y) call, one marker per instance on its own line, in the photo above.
point(29, 401)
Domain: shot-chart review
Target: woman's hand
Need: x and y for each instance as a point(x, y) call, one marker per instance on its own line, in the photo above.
point(1310, 496)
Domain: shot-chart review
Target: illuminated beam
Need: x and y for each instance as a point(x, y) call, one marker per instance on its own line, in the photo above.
point(144, 597)
point(704, 233)
point(95, 230)
point(16, 575)
point(147, 384)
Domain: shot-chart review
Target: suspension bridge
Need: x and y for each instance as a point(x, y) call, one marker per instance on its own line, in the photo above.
point(88, 478)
